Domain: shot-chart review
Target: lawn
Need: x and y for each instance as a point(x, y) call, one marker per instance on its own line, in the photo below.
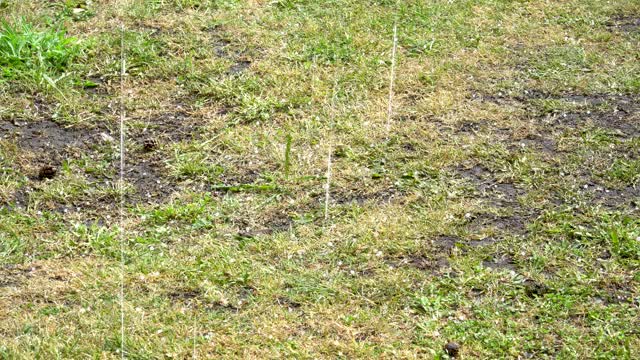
point(302, 181)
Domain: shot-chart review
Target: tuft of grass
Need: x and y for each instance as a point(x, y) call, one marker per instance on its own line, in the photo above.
point(287, 156)
point(625, 171)
point(41, 55)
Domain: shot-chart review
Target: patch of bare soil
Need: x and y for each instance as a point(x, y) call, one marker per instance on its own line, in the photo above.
point(145, 168)
point(623, 23)
point(617, 293)
point(500, 262)
point(184, 295)
point(436, 260)
point(291, 305)
point(360, 197)
point(44, 146)
point(534, 289)
point(618, 113)
point(51, 144)
point(150, 181)
point(627, 198)
point(272, 222)
point(224, 47)
point(514, 224)
point(501, 195)
point(494, 192)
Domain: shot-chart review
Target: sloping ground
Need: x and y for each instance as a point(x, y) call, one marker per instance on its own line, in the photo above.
point(499, 213)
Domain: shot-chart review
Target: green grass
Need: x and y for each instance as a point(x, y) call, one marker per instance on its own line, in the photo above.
point(30, 54)
point(500, 212)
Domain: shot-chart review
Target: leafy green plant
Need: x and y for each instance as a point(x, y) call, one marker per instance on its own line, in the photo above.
point(27, 52)
point(625, 171)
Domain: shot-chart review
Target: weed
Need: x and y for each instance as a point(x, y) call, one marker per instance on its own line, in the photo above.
point(42, 56)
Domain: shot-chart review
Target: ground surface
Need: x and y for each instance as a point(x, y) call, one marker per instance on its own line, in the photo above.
point(500, 212)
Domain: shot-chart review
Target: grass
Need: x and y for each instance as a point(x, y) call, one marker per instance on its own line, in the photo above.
point(29, 54)
point(499, 212)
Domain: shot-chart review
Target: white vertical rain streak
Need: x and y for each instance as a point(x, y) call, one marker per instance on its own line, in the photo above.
point(121, 189)
point(392, 78)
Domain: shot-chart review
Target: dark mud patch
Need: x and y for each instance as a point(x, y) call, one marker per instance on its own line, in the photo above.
point(224, 47)
point(288, 303)
point(47, 172)
point(487, 241)
point(239, 66)
point(221, 306)
point(243, 174)
point(618, 122)
point(513, 224)
point(608, 111)
point(44, 145)
point(476, 173)
point(220, 47)
point(490, 189)
point(351, 197)
point(543, 143)
point(624, 23)
point(18, 276)
point(146, 164)
point(51, 144)
point(612, 293)
point(365, 336)
point(627, 198)
point(51, 141)
point(500, 262)
point(184, 294)
point(150, 181)
point(534, 288)
point(472, 127)
point(276, 223)
point(435, 259)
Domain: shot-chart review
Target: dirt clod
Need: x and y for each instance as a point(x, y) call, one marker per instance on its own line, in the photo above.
point(184, 294)
point(624, 24)
point(47, 172)
point(149, 145)
point(452, 349)
point(535, 289)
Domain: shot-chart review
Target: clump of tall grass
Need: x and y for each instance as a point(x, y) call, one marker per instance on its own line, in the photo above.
point(31, 53)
